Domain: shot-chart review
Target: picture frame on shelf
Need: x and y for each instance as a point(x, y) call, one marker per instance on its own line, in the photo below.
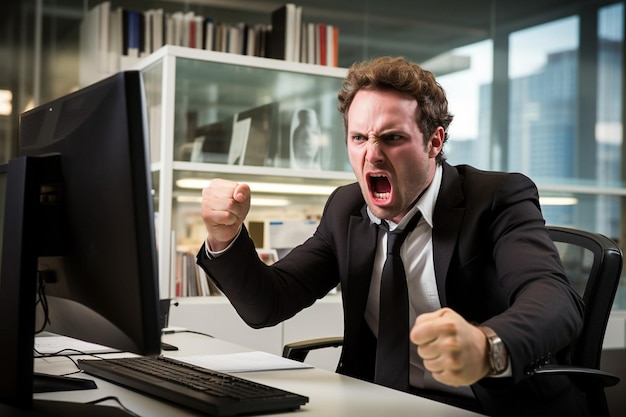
point(262, 135)
point(211, 143)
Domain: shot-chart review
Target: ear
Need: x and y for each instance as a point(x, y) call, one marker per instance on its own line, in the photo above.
point(436, 142)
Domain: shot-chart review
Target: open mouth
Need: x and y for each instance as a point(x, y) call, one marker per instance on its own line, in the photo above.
point(380, 186)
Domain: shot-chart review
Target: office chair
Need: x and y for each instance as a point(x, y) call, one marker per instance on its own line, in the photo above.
point(593, 263)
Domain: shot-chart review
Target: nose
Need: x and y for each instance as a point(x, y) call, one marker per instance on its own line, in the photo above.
point(374, 153)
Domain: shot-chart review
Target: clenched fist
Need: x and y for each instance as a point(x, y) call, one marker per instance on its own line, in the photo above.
point(225, 205)
point(454, 350)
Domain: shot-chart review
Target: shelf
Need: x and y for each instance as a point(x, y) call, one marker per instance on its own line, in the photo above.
point(237, 117)
point(239, 60)
point(194, 170)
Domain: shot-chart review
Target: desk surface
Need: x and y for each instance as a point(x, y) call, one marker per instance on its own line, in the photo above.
point(330, 394)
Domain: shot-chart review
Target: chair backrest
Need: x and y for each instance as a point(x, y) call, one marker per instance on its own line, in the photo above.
point(593, 264)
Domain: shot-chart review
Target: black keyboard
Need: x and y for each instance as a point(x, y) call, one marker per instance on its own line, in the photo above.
point(209, 392)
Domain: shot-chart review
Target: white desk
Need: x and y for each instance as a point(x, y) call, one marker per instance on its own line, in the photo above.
point(330, 394)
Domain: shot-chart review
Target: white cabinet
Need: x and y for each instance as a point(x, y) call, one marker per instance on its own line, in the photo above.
point(215, 114)
point(215, 316)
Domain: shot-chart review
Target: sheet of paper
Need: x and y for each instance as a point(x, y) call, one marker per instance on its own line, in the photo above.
point(67, 345)
point(243, 362)
point(289, 234)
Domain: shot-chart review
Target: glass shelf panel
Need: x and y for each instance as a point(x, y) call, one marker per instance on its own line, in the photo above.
point(239, 114)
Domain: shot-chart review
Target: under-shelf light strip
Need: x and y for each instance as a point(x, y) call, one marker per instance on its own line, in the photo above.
point(255, 201)
point(263, 187)
point(558, 201)
point(307, 189)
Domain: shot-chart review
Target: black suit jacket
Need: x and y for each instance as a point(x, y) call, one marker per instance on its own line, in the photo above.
point(494, 264)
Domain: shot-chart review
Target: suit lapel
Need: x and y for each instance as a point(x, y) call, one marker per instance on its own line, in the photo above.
point(362, 242)
point(447, 219)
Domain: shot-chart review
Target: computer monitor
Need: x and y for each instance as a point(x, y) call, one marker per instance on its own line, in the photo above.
point(79, 230)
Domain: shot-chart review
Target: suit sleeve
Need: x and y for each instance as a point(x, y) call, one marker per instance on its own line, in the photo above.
point(266, 295)
point(544, 312)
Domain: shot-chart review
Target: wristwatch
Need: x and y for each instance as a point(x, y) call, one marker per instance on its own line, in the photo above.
point(498, 356)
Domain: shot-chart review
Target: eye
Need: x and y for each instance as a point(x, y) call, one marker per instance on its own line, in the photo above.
point(392, 137)
point(358, 138)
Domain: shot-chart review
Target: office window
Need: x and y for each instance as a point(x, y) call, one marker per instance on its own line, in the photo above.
point(543, 112)
point(469, 97)
point(542, 99)
point(565, 118)
point(609, 124)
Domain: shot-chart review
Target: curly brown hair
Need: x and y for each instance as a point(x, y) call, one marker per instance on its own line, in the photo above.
point(398, 74)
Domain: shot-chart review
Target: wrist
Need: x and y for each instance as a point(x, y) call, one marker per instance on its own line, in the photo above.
point(217, 247)
point(496, 352)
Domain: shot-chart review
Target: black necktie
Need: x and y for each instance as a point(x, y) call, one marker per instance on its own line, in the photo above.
point(392, 349)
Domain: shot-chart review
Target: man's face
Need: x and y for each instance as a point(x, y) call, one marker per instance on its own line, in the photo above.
point(387, 153)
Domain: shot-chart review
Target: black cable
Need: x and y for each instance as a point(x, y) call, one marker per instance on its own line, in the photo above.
point(59, 354)
point(187, 331)
point(43, 301)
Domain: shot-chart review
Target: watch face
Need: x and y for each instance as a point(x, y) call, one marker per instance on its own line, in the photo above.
point(498, 355)
point(500, 364)
point(497, 351)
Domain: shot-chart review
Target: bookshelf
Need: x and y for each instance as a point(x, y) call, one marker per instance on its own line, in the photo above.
point(114, 37)
point(214, 114)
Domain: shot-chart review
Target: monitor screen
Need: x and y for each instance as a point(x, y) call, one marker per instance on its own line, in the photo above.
point(79, 230)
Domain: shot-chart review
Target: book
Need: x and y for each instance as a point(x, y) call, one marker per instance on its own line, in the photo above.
point(158, 29)
point(282, 35)
point(187, 30)
point(209, 34)
point(296, 35)
point(248, 40)
point(175, 29)
point(332, 45)
point(198, 32)
point(190, 30)
point(115, 39)
point(322, 32)
point(309, 43)
point(236, 42)
point(335, 46)
point(148, 32)
point(103, 34)
point(261, 33)
point(221, 37)
point(132, 32)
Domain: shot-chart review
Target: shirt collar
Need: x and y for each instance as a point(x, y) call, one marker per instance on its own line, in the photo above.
point(426, 204)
